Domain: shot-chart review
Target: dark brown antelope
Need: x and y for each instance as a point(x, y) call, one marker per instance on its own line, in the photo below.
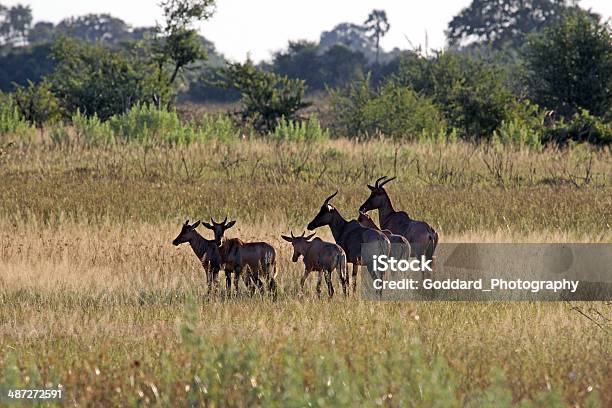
point(422, 237)
point(255, 259)
point(400, 247)
point(321, 257)
point(206, 250)
point(351, 236)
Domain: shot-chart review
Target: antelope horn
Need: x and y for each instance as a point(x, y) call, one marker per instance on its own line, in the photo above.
point(303, 233)
point(186, 222)
point(330, 197)
point(378, 181)
point(386, 181)
point(292, 234)
point(225, 220)
point(213, 221)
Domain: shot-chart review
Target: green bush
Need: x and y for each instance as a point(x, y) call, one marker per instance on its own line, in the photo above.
point(37, 104)
point(267, 98)
point(401, 113)
point(393, 110)
point(97, 80)
point(147, 124)
point(471, 92)
point(91, 130)
point(524, 126)
point(295, 131)
point(583, 127)
point(11, 120)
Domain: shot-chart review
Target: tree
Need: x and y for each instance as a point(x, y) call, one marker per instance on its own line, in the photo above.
point(377, 26)
point(266, 97)
point(15, 23)
point(470, 92)
point(178, 44)
point(570, 66)
point(352, 36)
point(94, 79)
point(94, 28)
point(301, 60)
point(501, 22)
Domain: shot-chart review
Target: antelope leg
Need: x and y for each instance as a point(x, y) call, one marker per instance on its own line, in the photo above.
point(330, 285)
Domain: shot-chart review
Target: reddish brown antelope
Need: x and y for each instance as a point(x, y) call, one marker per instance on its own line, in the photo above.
point(351, 235)
point(206, 250)
point(321, 257)
point(400, 247)
point(254, 258)
point(422, 237)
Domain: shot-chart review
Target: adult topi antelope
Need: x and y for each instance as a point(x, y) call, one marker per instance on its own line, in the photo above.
point(254, 258)
point(206, 250)
point(352, 238)
point(400, 247)
point(422, 237)
point(321, 257)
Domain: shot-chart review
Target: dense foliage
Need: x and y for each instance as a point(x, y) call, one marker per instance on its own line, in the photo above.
point(525, 72)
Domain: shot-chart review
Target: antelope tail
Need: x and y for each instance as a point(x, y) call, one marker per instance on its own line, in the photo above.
point(341, 267)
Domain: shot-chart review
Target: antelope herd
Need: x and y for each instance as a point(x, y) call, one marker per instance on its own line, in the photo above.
point(399, 236)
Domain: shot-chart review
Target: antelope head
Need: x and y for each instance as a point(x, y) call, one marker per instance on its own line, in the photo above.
point(325, 215)
point(378, 195)
point(219, 228)
point(187, 233)
point(300, 244)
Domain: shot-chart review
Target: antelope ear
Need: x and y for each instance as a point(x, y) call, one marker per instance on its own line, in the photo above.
point(230, 224)
point(371, 188)
point(310, 236)
point(195, 225)
point(286, 238)
point(207, 225)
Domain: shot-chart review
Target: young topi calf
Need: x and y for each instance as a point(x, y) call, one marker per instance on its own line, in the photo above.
point(319, 256)
point(254, 258)
point(400, 247)
point(206, 250)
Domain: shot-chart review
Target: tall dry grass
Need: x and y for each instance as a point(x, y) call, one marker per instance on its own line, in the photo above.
point(94, 297)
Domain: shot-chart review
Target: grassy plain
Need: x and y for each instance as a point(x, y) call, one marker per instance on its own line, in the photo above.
point(94, 297)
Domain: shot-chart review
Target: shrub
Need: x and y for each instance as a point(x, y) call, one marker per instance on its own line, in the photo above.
point(11, 120)
point(470, 92)
point(267, 98)
point(295, 131)
point(37, 104)
point(92, 130)
point(96, 80)
point(393, 110)
point(583, 127)
point(400, 112)
point(146, 123)
point(524, 126)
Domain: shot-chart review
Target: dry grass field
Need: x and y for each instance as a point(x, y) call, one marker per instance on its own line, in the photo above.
point(94, 297)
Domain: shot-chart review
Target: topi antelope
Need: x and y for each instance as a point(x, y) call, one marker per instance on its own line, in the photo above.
point(254, 258)
point(321, 257)
point(422, 237)
point(400, 247)
point(351, 235)
point(206, 250)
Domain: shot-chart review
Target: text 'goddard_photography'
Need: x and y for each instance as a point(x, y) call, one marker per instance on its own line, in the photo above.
point(231, 203)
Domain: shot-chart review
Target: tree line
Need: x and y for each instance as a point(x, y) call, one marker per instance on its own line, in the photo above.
point(513, 69)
